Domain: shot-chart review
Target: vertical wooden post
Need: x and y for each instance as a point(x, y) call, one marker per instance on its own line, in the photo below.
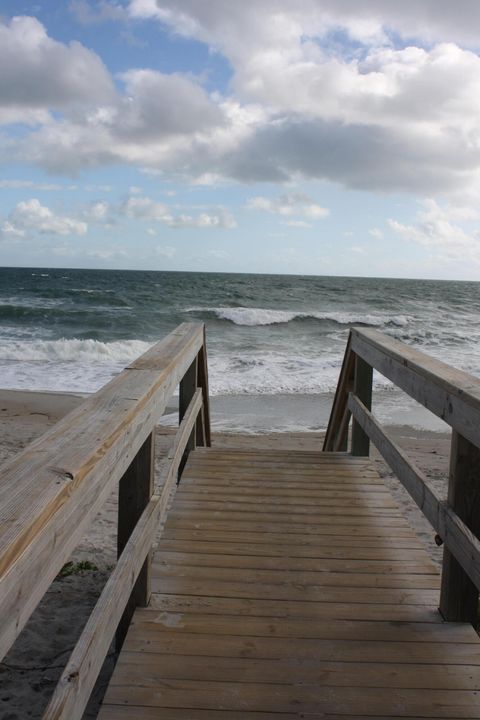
point(134, 492)
point(362, 388)
point(202, 381)
point(188, 386)
point(459, 596)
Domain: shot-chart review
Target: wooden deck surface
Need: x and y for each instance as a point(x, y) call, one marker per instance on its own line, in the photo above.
point(288, 585)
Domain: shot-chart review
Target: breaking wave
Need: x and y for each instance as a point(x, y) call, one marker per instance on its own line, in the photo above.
point(265, 316)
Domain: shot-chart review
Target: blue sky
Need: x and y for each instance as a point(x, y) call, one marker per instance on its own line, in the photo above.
point(290, 136)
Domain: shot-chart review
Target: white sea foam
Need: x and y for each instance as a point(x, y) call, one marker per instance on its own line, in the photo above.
point(274, 374)
point(266, 316)
point(90, 351)
point(66, 365)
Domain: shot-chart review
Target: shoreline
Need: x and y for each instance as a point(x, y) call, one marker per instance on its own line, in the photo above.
point(31, 669)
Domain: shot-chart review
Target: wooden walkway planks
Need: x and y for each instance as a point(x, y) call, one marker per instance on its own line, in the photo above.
point(288, 585)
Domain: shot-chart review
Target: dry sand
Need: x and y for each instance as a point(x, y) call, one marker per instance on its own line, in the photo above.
point(30, 671)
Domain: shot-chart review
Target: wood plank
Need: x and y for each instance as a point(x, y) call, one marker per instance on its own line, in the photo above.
point(235, 560)
point(140, 712)
point(344, 609)
point(316, 553)
point(351, 525)
point(308, 579)
point(302, 454)
point(313, 542)
point(288, 461)
point(218, 588)
point(369, 485)
point(278, 510)
point(258, 492)
point(117, 712)
point(330, 516)
point(323, 498)
point(150, 669)
point(280, 467)
point(148, 620)
point(303, 649)
point(261, 697)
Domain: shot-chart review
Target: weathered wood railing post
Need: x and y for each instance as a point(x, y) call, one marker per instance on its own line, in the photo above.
point(336, 436)
point(459, 596)
point(134, 492)
point(362, 388)
point(188, 386)
point(203, 434)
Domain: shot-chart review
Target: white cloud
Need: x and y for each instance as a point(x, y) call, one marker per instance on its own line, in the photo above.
point(222, 220)
point(376, 233)
point(97, 211)
point(157, 105)
point(225, 25)
point(298, 224)
point(107, 253)
point(218, 254)
point(438, 229)
point(31, 215)
point(296, 204)
point(102, 11)
point(374, 113)
point(144, 208)
point(347, 117)
point(165, 251)
point(38, 74)
point(29, 184)
point(8, 231)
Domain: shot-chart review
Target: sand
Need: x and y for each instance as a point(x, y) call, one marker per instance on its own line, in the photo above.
point(31, 669)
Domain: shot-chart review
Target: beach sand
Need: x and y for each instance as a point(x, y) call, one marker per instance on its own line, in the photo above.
point(30, 671)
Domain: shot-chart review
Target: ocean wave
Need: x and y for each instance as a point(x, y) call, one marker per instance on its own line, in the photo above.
point(73, 351)
point(87, 364)
point(264, 316)
point(276, 374)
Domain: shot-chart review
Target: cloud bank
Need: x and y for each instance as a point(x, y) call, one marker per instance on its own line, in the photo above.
point(393, 106)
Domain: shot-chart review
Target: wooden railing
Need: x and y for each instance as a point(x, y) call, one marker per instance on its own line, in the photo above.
point(52, 490)
point(453, 396)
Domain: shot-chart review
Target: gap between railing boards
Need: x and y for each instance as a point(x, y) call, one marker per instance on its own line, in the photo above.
point(453, 396)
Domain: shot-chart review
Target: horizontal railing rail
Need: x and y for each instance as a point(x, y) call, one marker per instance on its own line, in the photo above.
point(450, 394)
point(52, 490)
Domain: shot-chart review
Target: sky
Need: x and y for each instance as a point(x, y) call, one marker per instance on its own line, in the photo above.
point(324, 137)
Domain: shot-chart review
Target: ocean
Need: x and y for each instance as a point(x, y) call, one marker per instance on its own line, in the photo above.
point(275, 342)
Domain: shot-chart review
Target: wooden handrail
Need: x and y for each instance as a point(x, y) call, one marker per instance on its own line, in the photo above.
point(450, 394)
point(78, 678)
point(457, 537)
point(52, 490)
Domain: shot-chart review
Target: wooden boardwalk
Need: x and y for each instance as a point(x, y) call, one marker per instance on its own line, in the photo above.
point(288, 585)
